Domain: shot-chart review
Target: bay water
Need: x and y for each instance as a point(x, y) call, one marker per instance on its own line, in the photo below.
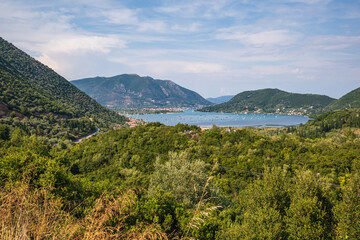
point(208, 119)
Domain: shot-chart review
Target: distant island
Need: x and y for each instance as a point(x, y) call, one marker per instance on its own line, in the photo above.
point(273, 101)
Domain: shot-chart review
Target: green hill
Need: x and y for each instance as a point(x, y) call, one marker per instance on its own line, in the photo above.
point(272, 101)
point(133, 91)
point(329, 121)
point(33, 93)
point(350, 100)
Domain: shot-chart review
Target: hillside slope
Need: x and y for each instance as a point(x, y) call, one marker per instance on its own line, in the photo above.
point(133, 91)
point(272, 101)
point(31, 88)
point(329, 121)
point(39, 101)
point(349, 100)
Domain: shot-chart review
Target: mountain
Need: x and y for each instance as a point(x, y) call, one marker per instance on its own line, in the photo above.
point(272, 101)
point(133, 91)
point(349, 100)
point(33, 92)
point(221, 99)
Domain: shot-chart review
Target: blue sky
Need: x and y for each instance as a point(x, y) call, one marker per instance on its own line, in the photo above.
point(214, 47)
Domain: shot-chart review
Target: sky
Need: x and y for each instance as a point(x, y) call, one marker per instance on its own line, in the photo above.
point(214, 47)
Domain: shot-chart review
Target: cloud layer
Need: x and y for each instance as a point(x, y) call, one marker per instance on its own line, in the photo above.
point(212, 47)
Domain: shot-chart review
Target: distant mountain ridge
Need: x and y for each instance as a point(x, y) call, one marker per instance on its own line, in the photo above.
point(132, 91)
point(273, 101)
point(221, 99)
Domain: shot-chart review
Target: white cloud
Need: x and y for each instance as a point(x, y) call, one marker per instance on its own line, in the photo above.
point(48, 61)
point(264, 38)
point(121, 16)
point(63, 53)
point(207, 9)
point(198, 67)
point(275, 70)
point(52, 35)
point(310, 2)
point(132, 18)
point(193, 27)
point(141, 23)
point(334, 42)
point(171, 67)
point(153, 26)
point(82, 43)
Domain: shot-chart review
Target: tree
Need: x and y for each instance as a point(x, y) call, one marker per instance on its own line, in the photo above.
point(309, 215)
point(4, 132)
point(347, 211)
point(181, 176)
point(264, 203)
point(163, 209)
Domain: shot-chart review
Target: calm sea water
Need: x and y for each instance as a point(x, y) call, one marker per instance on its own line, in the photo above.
point(224, 119)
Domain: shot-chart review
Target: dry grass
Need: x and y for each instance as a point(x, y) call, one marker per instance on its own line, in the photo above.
point(26, 214)
point(109, 215)
point(36, 214)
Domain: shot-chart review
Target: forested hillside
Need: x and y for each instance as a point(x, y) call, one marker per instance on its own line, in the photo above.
point(329, 121)
point(273, 101)
point(349, 100)
point(40, 101)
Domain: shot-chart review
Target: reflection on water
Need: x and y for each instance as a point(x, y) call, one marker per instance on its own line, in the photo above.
point(224, 119)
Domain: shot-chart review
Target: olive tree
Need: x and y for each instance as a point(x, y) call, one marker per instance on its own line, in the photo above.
point(184, 178)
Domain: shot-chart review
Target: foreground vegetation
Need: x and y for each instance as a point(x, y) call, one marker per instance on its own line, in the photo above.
point(163, 182)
